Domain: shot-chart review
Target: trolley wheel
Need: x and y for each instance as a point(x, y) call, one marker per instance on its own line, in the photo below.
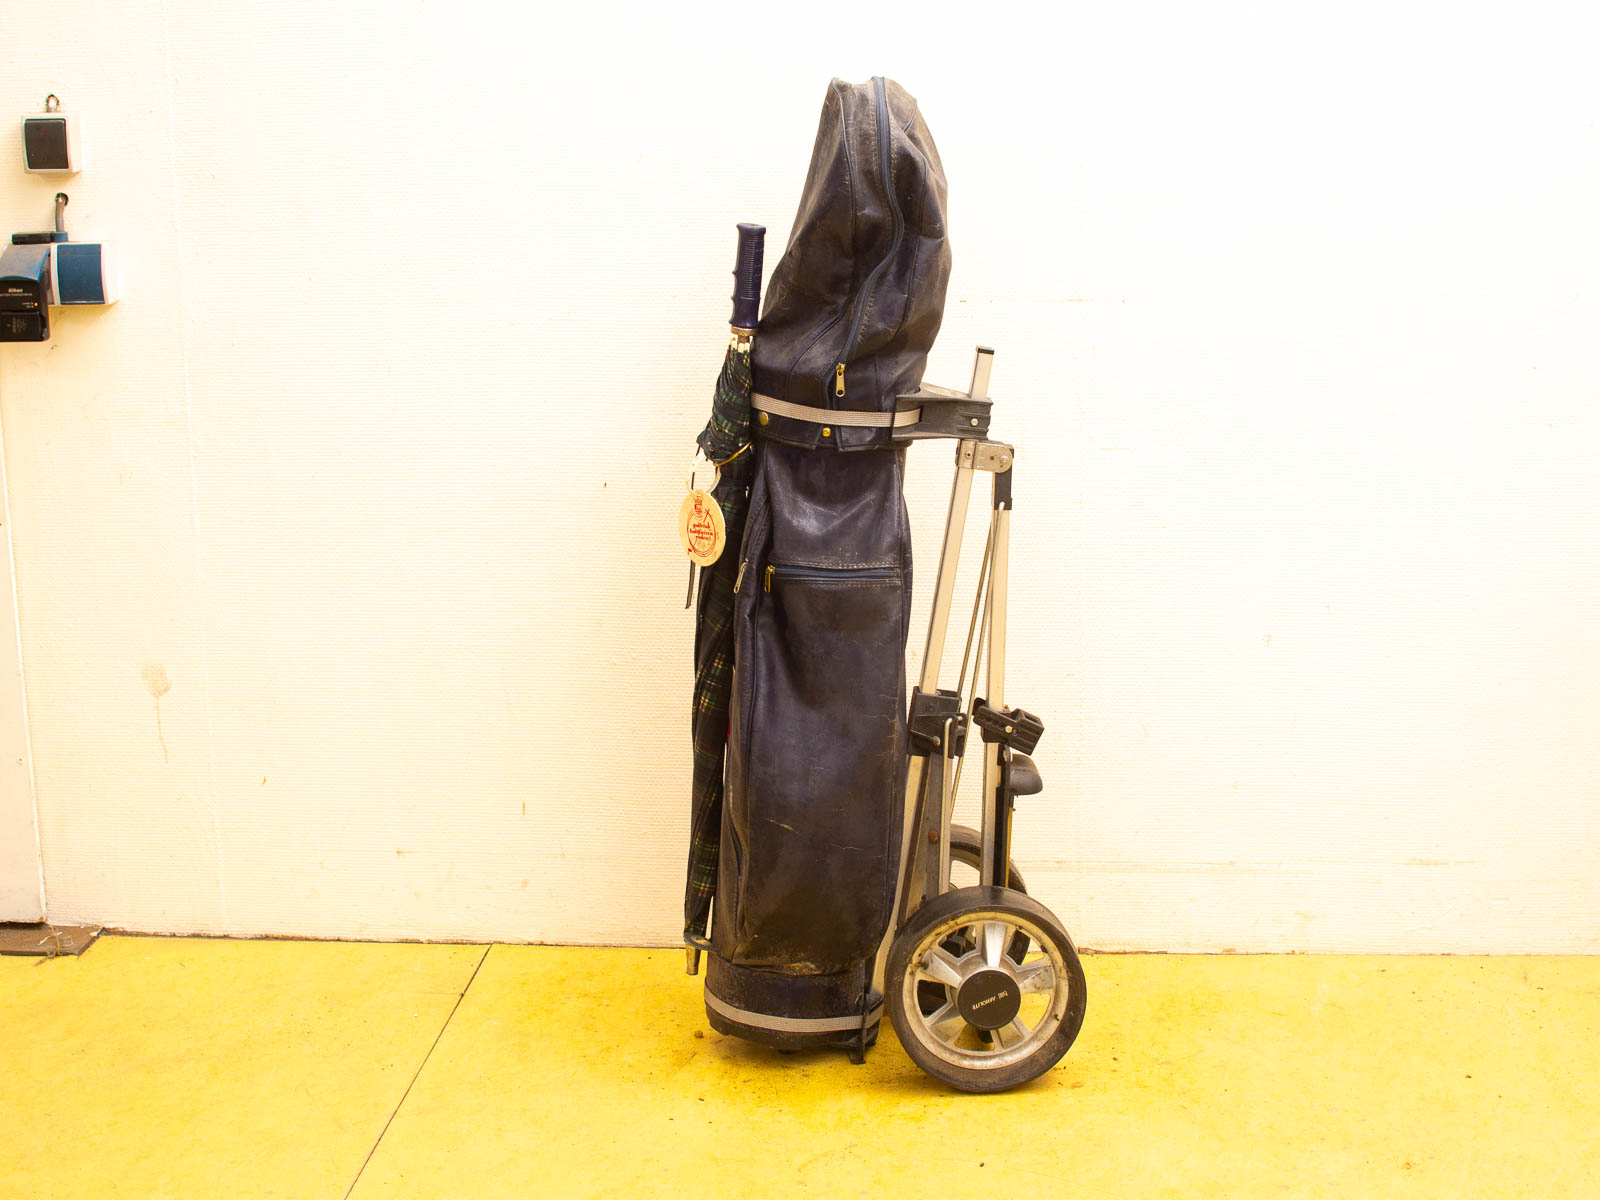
point(1004, 1021)
point(966, 855)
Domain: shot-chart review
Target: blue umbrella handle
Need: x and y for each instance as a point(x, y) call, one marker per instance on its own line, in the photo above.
point(747, 278)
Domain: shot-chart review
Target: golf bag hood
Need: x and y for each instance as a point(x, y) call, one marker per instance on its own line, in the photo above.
point(816, 757)
point(854, 304)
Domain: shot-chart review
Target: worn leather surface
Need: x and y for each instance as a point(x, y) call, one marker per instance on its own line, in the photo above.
point(816, 755)
point(862, 281)
point(794, 997)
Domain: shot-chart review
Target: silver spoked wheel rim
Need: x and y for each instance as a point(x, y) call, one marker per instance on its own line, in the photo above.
point(949, 954)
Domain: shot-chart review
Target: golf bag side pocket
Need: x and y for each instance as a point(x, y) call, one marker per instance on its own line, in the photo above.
point(823, 766)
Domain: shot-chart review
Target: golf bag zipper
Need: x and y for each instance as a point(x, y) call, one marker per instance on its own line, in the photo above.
point(823, 574)
point(881, 99)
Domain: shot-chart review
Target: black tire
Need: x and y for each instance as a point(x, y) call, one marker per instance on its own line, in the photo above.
point(985, 1065)
point(966, 847)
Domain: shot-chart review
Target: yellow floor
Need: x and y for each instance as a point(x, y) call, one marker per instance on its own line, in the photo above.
point(177, 1068)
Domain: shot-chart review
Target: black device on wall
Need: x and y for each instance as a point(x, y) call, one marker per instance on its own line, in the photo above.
point(25, 294)
point(51, 143)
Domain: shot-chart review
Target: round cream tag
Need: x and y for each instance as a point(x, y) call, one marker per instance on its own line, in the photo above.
point(701, 528)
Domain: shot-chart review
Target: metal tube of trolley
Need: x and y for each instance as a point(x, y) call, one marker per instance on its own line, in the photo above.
point(994, 818)
point(932, 655)
point(932, 658)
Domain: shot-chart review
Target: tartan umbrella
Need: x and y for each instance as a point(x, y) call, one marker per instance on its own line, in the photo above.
point(726, 442)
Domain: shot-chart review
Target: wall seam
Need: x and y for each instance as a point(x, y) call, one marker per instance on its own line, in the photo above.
point(194, 471)
point(22, 679)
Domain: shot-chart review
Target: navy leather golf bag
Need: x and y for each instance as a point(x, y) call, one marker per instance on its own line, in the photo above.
point(816, 761)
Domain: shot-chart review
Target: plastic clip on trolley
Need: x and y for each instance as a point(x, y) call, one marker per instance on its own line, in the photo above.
point(823, 802)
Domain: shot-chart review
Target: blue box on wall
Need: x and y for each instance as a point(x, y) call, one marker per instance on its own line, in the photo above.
point(83, 273)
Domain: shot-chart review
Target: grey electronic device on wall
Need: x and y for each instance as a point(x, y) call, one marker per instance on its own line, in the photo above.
point(52, 141)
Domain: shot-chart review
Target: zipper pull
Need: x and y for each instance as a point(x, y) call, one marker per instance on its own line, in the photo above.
point(766, 582)
point(838, 379)
point(739, 578)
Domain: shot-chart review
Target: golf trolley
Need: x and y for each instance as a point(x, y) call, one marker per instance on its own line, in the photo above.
point(983, 983)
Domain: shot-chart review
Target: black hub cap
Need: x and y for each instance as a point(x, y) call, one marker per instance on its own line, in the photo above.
point(989, 999)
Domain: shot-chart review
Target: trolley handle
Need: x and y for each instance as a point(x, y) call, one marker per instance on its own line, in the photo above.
point(747, 277)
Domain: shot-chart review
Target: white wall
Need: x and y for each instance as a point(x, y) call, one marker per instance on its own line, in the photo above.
point(349, 597)
point(21, 873)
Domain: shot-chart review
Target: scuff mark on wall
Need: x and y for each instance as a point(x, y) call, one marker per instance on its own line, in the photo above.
point(158, 685)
